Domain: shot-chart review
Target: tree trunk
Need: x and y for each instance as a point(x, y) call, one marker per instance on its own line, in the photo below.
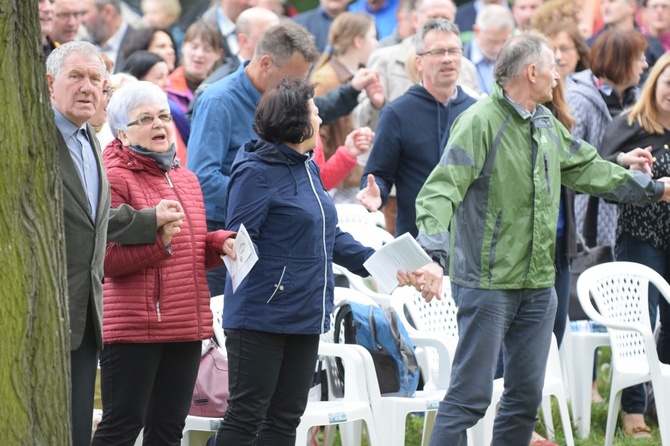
point(34, 335)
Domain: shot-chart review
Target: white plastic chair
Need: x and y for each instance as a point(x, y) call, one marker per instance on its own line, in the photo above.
point(366, 227)
point(620, 291)
point(576, 353)
point(554, 385)
point(391, 411)
point(353, 406)
point(356, 214)
point(216, 305)
point(438, 318)
point(435, 320)
point(359, 284)
point(205, 424)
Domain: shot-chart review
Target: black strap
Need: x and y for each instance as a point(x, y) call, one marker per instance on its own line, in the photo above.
point(590, 226)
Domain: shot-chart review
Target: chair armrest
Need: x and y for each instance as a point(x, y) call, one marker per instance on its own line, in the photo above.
point(355, 386)
point(444, 352)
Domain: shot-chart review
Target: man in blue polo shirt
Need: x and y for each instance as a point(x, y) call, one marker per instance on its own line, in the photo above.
point(318, 20)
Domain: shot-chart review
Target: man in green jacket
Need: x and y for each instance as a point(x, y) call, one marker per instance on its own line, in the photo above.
point(491, 208)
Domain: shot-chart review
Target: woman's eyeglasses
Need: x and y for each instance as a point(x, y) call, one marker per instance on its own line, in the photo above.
point(149, 119)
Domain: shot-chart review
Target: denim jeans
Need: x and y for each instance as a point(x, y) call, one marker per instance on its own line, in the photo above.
point(633, 399)
point(269, 379)
point(520, 321)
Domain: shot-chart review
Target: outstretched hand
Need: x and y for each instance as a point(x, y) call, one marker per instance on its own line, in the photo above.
point(370, 196)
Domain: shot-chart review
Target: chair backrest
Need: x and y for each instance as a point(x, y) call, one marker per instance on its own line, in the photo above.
point(363, 226)
point(216, 305)
point(357, 283)
point(436, 316)
point(356, 214)
point(620, 292)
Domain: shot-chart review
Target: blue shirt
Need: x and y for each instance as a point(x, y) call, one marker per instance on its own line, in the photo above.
point(81, 151)
point(484, 67)
point(385, 17)
point(317, 22)
point(222, 122)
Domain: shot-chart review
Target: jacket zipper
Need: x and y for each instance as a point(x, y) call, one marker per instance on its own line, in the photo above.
point(325, 251)
point(546, 173)
point(158, 295)
point(169, 181)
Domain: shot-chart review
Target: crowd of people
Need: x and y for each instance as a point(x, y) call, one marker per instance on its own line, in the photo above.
point(500, 135)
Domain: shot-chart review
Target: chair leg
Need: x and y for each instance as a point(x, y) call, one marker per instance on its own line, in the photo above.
point(663, 411)
point(580, 389)
point(612, 415)
point(546, 416)
point(428, 424)
point(301, 434)
point(351, 433)
point(565, 422)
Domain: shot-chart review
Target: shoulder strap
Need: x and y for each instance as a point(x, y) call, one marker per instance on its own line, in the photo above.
point(590, 226)
point(343, 309)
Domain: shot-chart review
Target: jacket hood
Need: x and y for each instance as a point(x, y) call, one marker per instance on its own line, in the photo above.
point(582, 83)
point(421, 92)
point(441, 110)
point(268, 152)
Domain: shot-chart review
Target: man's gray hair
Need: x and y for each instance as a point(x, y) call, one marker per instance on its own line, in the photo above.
point(128, 98)
point(494, 16)
point(58, 56)
point(115, 3)
point(520, 51)
point(282, 41)
point(439, 24)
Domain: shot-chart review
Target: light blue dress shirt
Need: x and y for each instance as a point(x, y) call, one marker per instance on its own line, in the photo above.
point(81, 151)
point(484, 67)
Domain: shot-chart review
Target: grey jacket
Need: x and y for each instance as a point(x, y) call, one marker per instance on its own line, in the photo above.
point(85, 239)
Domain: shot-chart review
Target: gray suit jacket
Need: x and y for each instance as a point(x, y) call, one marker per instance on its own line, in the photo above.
point(85, 239)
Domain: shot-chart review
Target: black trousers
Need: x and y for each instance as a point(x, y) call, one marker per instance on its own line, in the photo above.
point(146, 386)
point(269, 378)
point(83, 366)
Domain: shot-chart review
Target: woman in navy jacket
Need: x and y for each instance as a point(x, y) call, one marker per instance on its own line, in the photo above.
point(274, 318)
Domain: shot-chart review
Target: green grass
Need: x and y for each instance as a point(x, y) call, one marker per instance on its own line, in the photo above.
point(414, 424)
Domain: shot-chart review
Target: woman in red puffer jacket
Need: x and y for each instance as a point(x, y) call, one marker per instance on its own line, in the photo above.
point(156, 300)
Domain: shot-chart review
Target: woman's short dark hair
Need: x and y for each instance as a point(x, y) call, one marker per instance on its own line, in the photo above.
point(615, 53)
point(283, 113)
point(140, 63)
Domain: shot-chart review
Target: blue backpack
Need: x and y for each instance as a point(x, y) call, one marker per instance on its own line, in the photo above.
point(384, 336)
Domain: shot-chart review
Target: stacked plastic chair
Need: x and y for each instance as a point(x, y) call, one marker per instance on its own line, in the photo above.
point(620, 293)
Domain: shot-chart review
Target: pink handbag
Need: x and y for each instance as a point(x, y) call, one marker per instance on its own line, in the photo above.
point(210, 395)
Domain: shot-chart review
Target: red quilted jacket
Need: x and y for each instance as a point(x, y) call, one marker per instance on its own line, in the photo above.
point(151, 295)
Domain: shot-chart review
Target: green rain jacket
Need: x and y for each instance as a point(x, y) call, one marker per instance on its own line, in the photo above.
point(498, 185)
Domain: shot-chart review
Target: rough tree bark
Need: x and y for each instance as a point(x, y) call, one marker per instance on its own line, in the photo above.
point(34, 339)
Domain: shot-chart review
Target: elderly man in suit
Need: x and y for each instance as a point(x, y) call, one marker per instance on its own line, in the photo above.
point(76, 77)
